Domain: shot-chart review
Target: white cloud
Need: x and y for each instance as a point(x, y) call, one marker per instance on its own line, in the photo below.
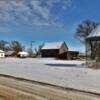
point(66, 4)
point(41, 10)
point(33, 12)
point(5, 30)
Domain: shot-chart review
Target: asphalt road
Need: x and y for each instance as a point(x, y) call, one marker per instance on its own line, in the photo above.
point(12, 88)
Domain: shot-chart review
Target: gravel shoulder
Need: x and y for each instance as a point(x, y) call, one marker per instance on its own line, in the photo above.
point(12, 88)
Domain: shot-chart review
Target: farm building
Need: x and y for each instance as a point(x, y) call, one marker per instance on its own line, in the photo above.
point(54, 49)
point(2, 54)
point(23, 54)
point(82, 56)
point(69, 55)
point(73, 55)
point(93, 48)
point(10, 54)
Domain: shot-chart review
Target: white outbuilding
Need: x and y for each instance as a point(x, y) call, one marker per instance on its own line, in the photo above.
point(23, 54)
point(2, 54)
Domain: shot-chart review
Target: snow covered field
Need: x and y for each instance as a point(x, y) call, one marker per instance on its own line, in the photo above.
point(59, 72)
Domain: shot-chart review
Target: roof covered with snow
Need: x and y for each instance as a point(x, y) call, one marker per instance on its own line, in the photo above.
point(23, 53)
point(95, 33)
point(10, 52)
point(1, 51)
point(52, 45)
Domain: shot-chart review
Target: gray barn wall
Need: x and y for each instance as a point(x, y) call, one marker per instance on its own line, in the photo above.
point(63, 49)
point(50, 53)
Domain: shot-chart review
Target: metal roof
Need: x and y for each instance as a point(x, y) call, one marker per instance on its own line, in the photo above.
point(95, 34)
point(52, 45)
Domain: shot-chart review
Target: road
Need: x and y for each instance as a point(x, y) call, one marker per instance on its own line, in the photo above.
point(12, 88)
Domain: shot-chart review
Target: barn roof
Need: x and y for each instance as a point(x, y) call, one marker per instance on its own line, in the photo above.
point(95, 34)
point(52, 45)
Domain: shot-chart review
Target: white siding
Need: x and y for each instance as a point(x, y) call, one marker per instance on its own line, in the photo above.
point(2, 54)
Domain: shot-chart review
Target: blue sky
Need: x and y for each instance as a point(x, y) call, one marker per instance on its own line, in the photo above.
point(45, 20)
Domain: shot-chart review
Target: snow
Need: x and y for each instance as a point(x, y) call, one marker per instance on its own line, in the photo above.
point(95, 32)
point(52, 45)
point(1, 51)
point(67, 74)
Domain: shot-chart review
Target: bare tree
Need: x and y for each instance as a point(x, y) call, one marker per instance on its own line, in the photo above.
point(83, 30)
point(38, 50)
point(16, 46)
point(30, 52)
point(3, 44)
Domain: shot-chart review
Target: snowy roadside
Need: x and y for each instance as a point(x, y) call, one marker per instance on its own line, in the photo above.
point(40, 70)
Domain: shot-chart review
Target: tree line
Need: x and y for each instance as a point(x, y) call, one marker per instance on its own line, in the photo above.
point(17, 47)
point(11, 46)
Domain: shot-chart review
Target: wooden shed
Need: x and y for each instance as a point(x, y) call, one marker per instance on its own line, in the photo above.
point(69, 55)
point(53, 49)
point(73, 55)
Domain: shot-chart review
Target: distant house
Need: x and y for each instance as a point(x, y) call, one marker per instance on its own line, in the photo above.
point(11, 54)
point(54, 49)
point(2, 54)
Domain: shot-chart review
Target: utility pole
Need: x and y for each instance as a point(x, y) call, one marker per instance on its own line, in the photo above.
point(30, 49)
point(31, 44)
